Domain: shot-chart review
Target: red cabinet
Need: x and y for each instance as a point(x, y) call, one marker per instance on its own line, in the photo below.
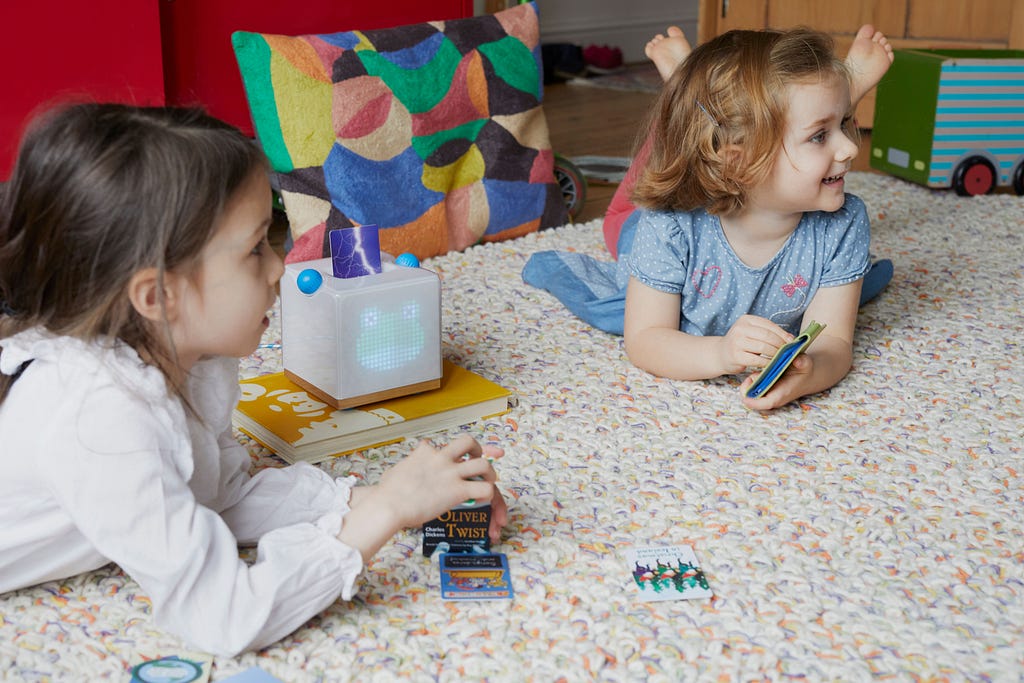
point(53, 51)
point(199, 64)
point(160, 51)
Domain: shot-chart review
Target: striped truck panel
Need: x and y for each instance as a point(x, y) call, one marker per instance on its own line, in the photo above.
point(980, 111)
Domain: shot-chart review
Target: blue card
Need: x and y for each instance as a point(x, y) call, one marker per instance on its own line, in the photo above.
point(782, 359)
point(475, 576)
point(252, 675)
point(355, 251)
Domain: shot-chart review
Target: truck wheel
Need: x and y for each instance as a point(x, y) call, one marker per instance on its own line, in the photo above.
point(973, 176)
point(1018, 179)
point(573, 184)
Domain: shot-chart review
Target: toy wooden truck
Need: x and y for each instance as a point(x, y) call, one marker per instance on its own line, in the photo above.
point(952, 118)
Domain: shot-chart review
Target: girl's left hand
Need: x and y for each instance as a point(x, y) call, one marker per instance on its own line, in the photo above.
point(786, 389)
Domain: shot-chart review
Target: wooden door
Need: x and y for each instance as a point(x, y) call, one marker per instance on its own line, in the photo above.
point(980, 24)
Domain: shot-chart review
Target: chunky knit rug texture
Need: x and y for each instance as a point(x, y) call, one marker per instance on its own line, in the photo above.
point(875, 531)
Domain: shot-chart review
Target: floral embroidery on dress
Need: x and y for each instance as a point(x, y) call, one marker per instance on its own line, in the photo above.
point(790, 288)
point(796, 285)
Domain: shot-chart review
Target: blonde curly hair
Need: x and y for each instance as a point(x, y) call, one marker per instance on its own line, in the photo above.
point(718, 124)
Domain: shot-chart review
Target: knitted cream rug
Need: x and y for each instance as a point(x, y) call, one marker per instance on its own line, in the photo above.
point(875, 531)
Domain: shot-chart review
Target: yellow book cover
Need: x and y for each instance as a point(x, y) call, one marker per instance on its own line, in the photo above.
point(288, 421)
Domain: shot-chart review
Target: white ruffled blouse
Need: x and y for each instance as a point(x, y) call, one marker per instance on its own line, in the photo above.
point(100, 463)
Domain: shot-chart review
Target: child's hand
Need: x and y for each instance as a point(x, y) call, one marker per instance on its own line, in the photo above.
point(751, 342)
point(426, 483)
point(786, 389)
point(430, 481)
point(499, 515)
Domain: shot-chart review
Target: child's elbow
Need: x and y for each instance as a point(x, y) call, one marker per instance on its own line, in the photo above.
point(631, 346)
point(638, 354)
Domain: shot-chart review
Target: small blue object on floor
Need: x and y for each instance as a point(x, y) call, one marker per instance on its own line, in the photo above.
point(253, 675)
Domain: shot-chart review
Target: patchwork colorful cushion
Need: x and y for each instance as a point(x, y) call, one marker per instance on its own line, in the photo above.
point(434, 132)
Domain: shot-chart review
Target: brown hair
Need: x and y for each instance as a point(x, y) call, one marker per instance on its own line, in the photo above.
point(730, 91)
point(98, 192)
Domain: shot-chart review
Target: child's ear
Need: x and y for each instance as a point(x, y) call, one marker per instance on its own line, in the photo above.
point(152, 299)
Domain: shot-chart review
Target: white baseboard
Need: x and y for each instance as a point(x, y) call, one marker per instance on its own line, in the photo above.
point(598, 23)
point(630, 39)
point(611, 22)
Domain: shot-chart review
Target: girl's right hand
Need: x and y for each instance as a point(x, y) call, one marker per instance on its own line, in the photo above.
point(424, 484)
point(750, 343)
point(430, 481)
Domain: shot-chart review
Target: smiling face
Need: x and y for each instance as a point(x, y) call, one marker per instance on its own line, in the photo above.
point(816, 152)
point(223, 305)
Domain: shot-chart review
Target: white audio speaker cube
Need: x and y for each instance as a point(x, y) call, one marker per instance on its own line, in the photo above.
point(352, 341)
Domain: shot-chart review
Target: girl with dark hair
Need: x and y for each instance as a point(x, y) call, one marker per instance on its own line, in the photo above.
point(134, 272)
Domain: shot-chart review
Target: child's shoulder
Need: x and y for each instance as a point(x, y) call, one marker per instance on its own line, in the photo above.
point(77, 365)
point(77, 397)
point(676, 220)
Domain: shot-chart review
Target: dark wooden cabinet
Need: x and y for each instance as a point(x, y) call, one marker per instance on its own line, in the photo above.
point(974, 24)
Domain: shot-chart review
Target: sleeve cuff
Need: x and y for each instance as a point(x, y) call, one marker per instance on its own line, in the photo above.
point(350, 565)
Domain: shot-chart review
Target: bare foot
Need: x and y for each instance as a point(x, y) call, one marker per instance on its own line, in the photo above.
point(869, 58)
point(668, 51)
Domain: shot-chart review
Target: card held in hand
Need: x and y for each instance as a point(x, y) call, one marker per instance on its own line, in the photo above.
point(783, 358)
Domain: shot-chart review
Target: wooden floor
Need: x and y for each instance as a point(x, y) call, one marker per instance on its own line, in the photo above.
point(585, 120)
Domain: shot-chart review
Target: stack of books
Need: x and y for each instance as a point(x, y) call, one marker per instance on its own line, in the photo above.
point(295, 425)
